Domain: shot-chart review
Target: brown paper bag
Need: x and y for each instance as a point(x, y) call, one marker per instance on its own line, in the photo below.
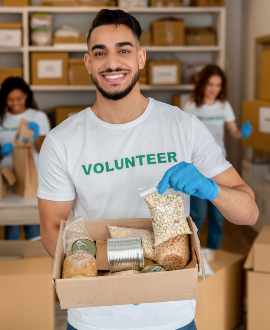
point(25, 170)
point(23, 135)
point(7, 178)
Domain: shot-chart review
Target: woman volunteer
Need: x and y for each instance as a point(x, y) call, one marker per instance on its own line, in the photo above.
point(209, 103)
point(17, 102)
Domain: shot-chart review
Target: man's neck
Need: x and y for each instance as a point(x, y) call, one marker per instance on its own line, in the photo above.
point(122, 111)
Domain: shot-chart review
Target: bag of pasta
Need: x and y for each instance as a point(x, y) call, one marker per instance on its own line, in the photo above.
point(170, 226)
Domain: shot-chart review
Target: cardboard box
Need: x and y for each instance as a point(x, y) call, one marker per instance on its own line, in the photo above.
point(220, 303)
point(258, 113)
point(99, 3)
point(7, 178)
point(17, 3)
point(146, 38)
point(78, 74)
point(165, 3)
point(253, 173)
point(168, 32)
point(206, 3)
point(49, 68)
point(258, 282)
point(70, 40)
point(27, 293)
point(10, 72)
point(10, 34)
point(134, 289)
point(164, 73)
point(265, 76)
point(58, 114)
point(200, 36)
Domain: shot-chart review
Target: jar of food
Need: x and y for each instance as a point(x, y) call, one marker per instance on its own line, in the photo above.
point(79, 264)
point(125, 254)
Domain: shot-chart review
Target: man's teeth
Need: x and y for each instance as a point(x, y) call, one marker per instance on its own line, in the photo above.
point(115, 77)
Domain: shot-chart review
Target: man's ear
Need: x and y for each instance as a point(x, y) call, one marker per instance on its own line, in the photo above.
point(87, 63)
point(142, 58)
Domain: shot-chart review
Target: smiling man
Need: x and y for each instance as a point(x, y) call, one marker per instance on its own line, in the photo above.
point(95, 162)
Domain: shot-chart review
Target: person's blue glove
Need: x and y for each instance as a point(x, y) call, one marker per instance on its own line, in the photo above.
point(34, 127)
point(136, 304)
point(186, 178)
point(246, 130)
point(6, 149)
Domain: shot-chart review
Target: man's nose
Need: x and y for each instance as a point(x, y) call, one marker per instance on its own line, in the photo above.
point(112, 62)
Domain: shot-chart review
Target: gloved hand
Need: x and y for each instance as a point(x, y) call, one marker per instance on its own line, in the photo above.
point(246, 130)
point(186, 178)
point(34, 127)
point(6, 149)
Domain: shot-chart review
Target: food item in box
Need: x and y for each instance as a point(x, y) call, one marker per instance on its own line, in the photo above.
point(148, 238)
point(153, 269)
point(174, 254)
point(79, 264)
point(123, 273)
point(167, 213)
point(74, 231)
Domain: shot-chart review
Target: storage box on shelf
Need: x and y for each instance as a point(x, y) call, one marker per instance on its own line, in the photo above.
point(265, 76)
point(258, 282)
point(143, 75)
point(168, 32)
point(58, 114)
point(16, 3)
point(146, 38)
point(26, 288)
point(78, 74)
point(165, 3)
point(200, 36)
point(69, 40)
point(164, 73)
point(10, 72)
point(10, 34)
point(220, 302)
point(207, 3)
point(101, 291)
point(49, 68)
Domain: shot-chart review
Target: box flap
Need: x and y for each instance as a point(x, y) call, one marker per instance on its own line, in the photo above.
point(8, 175)
point(197, 246)
point(59, 254)
point(249, 261)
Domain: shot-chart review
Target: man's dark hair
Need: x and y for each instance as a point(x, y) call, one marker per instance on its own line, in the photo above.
point(116, 17)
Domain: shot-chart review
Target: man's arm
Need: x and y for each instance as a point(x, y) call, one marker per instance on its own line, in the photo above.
point(235, 199)
point(51, 213)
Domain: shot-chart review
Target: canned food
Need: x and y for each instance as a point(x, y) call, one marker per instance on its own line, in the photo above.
point(79, 264)
point(84, 244)
point(153, 268)
point(125, 254)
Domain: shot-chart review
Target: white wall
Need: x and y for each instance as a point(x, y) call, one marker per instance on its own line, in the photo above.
point(256, 23)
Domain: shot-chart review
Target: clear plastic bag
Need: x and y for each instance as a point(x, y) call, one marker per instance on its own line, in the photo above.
point(73, 231)
point(167, 212)
point(147, 236)
point(174, 254)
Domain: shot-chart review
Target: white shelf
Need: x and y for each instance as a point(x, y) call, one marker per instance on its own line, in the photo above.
point(42, 88)
point(83, 48)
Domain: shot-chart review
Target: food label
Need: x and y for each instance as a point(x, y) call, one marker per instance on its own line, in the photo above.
point(264, 120)
point(165, 74)
point(49, 69)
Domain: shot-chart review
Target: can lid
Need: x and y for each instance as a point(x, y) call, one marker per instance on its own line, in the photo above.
point(84, 244)
point(153, 268)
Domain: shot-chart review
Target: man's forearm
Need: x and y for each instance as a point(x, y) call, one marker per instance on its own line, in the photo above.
point(49, 239)
point(237, 204)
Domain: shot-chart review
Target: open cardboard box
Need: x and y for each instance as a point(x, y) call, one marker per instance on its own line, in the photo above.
point(132, 289)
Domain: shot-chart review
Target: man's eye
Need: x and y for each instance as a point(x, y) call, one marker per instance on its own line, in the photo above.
point(124, 51)
point(99, 54)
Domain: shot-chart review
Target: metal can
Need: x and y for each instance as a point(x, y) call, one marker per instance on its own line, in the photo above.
point(125, 254)
point(85, 245)
point(153, 268)
point(79, 264)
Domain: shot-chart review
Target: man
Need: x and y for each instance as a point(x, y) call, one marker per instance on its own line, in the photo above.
point(96, 161)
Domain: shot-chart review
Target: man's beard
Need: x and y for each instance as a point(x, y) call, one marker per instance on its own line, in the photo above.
point(115, 96)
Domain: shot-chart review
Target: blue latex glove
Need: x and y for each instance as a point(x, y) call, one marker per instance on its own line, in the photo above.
point(246, 130)
point(34, 127)
point(6, 149)
point(136, 304)
point(186, 178)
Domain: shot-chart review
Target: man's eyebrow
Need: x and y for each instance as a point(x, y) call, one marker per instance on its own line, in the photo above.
point(125, 43)
point(98, 47)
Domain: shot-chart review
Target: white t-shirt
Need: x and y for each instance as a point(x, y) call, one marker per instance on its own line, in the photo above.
point(102, 166)
point(213, 116)
point(10, 125)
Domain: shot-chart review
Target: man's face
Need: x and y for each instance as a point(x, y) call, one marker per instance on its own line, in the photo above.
point(114, 60)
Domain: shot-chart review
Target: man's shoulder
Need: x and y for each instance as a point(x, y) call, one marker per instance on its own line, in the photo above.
point(71, 126)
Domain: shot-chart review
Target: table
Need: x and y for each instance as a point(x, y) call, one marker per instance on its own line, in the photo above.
point(15, 210)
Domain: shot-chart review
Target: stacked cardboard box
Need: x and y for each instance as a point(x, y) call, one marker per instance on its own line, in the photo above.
point(77, 71)
point(27, 294)
point(164, 73)
point(168, 32)
point(10, 34)
point(165, 3)
point(258, 282)
point(10, 72)
point(200, 36)
point(58, 114)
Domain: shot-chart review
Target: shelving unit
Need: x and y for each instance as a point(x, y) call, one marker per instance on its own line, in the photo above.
point(214, 15)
